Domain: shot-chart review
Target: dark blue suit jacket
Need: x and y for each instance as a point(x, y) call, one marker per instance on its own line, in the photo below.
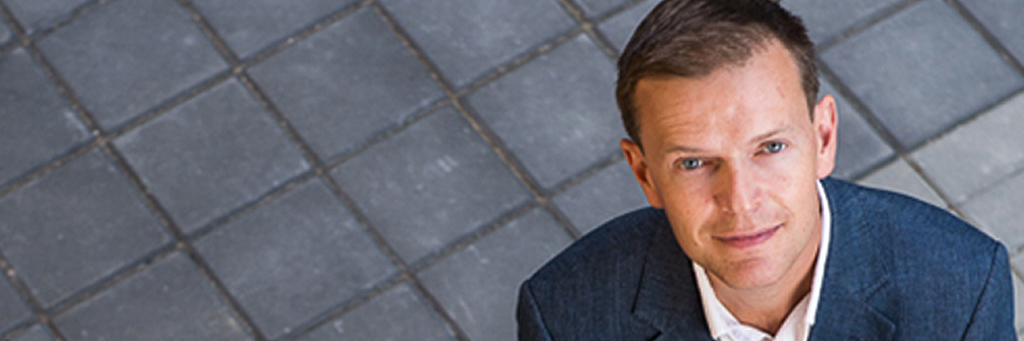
point(898, 269)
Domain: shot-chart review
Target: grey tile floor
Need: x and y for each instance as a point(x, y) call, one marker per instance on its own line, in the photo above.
point(392, 169)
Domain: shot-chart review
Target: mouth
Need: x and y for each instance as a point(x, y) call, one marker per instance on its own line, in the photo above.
point(749, 240)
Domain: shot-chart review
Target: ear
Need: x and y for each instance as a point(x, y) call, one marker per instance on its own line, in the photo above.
point(825, 128)
point(638, 163)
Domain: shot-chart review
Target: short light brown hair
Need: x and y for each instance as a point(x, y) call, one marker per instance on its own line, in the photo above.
point(692, 38)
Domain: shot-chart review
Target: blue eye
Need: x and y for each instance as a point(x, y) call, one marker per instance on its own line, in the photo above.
point(691, 164)
point(774, 147)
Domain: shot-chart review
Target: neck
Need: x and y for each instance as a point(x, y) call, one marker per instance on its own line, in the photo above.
point(766, 308)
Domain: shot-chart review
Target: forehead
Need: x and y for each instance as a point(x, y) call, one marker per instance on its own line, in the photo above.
point(763, 91)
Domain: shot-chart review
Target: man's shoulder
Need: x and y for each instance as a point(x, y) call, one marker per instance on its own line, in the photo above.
point(893, 216)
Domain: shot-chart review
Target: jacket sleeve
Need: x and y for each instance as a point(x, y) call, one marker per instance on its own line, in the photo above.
point(992, 318)
point(531, 324)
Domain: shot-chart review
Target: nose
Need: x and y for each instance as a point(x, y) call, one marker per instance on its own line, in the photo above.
point(737, 189)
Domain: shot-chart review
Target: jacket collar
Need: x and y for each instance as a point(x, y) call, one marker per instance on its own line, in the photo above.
point(856, 275)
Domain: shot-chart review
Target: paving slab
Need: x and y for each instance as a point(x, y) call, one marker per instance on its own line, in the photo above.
point(860, 147)
point(170, 300)
point(1018, 302)
point(827, 19)
point(469, 38)
point(605, 195)
point(1017, 261)
point(250, 26)
point(13, 310)
point(570, 121)
point(76, 226)
point(478, 285)
point(922, 71)
point(997, 211)
point(129, 56)
point(397, 314)
point(1002, 19)
point(430, 184)
point(38, 123)
point(898, 176)
point(36, 15)
point(619, 28)
point(294, 258)
point(36, 333)
point(6, 33)
point(978, 154)
point(596, 8)
point(211, 155)
point(347, 83)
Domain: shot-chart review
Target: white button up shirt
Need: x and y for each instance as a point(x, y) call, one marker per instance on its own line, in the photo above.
point(797, 326)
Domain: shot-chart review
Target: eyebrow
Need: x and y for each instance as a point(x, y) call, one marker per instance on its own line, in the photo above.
point(761, 137)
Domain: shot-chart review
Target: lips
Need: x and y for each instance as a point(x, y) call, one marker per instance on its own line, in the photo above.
point(749, 240)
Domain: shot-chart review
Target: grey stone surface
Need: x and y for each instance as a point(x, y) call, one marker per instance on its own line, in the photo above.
point(1017, 261)
point(39, 14)
point(826, 19)
point(570, 121)
point(397, 314)
point(897, 176)
point(1002, 18)
point(6, 35)
point(430, 184)
point(129, 56)
point(619, 29)
point(36, 333)
point(38, 123)
point(250, 26)
point(922, 70)
point(605, 195)
point(468, 38)
point(1018, 302)
point(170, 300)
point(347, 83)
point(498, 262)
point(974, 156)
point(75, 226)
point(315, 255)
point(211, 155)
point(860, 148)
point(595, 8)
point(13, 310)
point(998, 212)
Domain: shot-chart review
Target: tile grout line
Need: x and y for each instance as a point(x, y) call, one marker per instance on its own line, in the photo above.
point(308, 154)
point(467, 239)
point(38, 312)
point(476, 122)
point(589, 27)
point(890, 139)
point(41, 33)
point(338, 311)
point(8, 268)
point(902, 153)
point(865, 25)
point(102, 142)
point(184, 244)
point(384, 134)
point(987, 35)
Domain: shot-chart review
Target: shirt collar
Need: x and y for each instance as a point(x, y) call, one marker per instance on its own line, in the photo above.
point(721, 321)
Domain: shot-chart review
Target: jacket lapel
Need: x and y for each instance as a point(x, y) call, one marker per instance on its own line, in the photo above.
point(667, 297)
point(857, 281)
point(857, 278)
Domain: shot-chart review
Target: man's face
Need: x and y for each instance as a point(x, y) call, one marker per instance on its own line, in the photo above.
point(732, 158)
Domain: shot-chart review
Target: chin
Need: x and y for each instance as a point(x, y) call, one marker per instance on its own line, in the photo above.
point(751, 276)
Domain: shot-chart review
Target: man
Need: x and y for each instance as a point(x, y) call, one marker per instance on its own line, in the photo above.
point(747, 238)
